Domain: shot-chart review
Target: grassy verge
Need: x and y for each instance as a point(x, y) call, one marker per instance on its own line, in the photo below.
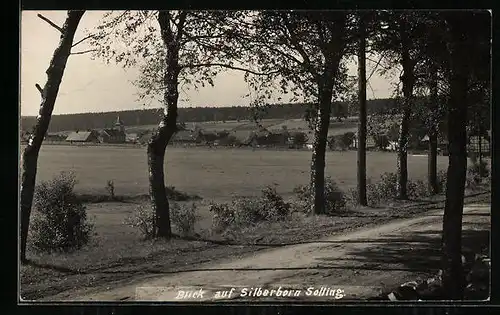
point(118, 255)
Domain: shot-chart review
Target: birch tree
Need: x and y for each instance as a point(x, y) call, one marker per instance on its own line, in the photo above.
point(174, 51)
point(304, 51)
point(48, 94)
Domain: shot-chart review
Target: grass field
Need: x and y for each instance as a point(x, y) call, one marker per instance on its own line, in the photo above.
point(117, 252)
point(211, 173)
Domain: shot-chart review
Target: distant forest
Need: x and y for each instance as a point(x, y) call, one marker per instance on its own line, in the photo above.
point(142, 117)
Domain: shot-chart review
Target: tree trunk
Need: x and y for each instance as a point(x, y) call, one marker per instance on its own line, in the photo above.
point(156, 157)
point(166, 129)
point(408, 83)
point(319, 151)
point(49, 93)
point(433, 133)
point(362, 114)
point(453, 277)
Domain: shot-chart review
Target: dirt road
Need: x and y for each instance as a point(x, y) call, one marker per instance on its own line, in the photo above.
point(356, 265)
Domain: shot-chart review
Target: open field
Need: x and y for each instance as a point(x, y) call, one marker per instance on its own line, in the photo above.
point(117, 253)
point(211, 173)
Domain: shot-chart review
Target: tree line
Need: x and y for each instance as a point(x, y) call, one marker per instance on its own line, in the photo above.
point(442, 56)
point(84, 121)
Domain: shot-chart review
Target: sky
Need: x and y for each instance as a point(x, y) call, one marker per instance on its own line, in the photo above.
point(93, 86)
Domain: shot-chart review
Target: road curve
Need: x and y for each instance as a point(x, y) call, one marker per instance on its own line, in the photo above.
point(355, 265)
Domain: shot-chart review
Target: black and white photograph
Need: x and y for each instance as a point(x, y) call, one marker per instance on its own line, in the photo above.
point(225, 156)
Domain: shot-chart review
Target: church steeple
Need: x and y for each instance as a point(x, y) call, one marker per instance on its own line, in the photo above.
point(119, 124)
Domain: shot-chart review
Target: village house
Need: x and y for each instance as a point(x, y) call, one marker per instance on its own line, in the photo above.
point(184, 137)
point(90, 136)
point(115, 134)
point(132, 137)
point(54, 137)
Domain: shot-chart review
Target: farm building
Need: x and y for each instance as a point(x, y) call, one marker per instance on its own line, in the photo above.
point(184, 137)
point(132, 137)
point(83, 136)
point(114, 135)
point(369, 141)
point(479, 144)
point(54, 137)
point(266, 138)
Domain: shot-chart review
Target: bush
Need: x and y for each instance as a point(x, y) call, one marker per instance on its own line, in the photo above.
point(175, 195)
point(274, 207)
point(334, 198)
point(60, 219)
point(442, 177)
point(417, 189)
point(245, 211)
point(183, 217)
point(110, 188)
point(143, 219)
point(381, 142)
point(223, 216)
point(386, 189)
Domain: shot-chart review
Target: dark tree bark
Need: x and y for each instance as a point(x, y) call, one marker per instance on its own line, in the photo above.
point(333, 51)
point(433, 131)
point(319, 149)
point(408, 81)
point(49, 93)
point(168, 126)
point(453, 277)
point(362, 113)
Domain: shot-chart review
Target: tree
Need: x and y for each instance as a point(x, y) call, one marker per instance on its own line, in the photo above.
point(303, 50)
point(362, 112)
point(186, 49)
point(399, 32)
point(49, 93)
point(468, 35)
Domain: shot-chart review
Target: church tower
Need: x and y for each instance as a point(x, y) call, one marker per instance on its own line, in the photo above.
point(119, 124)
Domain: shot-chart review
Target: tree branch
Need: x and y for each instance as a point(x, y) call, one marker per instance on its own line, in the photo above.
point(180, 25)
point(83, 52)
point(228, 67)
point(39, 88)
point(83, 39)
point(295, 43)
point(50, 22)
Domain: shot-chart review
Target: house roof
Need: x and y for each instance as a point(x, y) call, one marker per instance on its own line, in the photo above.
point(183, 135)
point(79, 136)
point(113, 132)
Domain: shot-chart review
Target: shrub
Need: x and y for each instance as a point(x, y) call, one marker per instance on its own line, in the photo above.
point(334, 198)
point(143, 218)
point(348, 138)
point(245, 211)
point(110, 188)
point(417, 189)
point(175, 195)
point(386, 189)
point(183, 217)
point(60, 220)
point(442, 177)
point(223, 216)
point(274, 207)
point(381, 142)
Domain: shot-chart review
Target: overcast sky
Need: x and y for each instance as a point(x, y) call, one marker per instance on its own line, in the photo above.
point(92, 86)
